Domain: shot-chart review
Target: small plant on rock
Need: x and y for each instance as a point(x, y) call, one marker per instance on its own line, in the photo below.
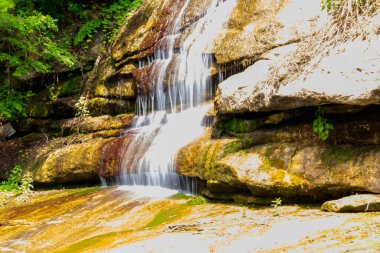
point(321, 127)
point(276, 202)
point(26, 186)
point(82, 107)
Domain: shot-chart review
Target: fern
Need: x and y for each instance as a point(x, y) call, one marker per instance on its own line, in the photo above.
point(87, 30)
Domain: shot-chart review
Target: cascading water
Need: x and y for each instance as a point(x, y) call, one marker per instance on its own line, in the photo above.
point(170, 118)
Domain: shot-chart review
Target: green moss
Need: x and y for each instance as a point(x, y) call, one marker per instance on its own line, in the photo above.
point(175, 212)
point(194, 201)
point(167, 215)
point(268, 151)
point(89, 190)
point(84, 244)
point(334, 155)
point(40, 110)
point(237, 126)
point(101, 90)
point(181, 196)
point(70, 87)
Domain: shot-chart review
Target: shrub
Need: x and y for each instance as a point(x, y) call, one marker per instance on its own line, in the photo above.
point(17, 182)
point(12, 103)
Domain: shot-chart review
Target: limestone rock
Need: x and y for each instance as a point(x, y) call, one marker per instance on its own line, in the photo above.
point(92, 124)
point(85, 124)
point(286, 169)
point(335, 79)
point(144, 28)
point(354, 203)
point(75, 163)
point(6, 130)
point(123, 90)
point(258, 26)
point(59, 108)
point(100, 106)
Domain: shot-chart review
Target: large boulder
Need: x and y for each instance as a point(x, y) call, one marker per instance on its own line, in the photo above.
point(354, 203)
point(63, 151)
point(256, 27)
point(347, 74)
point(284, 169)
point(75, 163)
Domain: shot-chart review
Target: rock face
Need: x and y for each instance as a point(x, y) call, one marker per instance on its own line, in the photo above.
point(76, 163)
point(329, 76)
point(262, 140)
point(354, 203)
point(285, 169)
point(73, 155)
point(336, 80)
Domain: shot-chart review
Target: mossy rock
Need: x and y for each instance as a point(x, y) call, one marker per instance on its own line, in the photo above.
point(58, 109)
point(199, 158)
point(283, 169)
point(123, 90)
point(40, 110)
point(240, 125)
point(70, 87)
point(76, 163)
point(100, 106)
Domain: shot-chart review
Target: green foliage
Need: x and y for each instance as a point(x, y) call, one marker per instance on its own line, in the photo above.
point(27, 44)
point(5, 5)
point(330, 5)
point(276, 202)
point(347, 7)
point(13, 181)
point(87, 30)
point(321, 127)
point(80, 20)
point(12, 103)
point(110, 19)
point(17, 182)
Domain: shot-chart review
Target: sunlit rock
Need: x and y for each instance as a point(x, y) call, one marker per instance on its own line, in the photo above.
point(286, 169)
point(354, 203)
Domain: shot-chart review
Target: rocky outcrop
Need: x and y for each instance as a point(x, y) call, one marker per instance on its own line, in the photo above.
point(309, 73)
point(63, 151)
point(256, 27)
point(354, 203)
point(302, 168)
point(252, 29)
point(85, 124)
point(75, 163)
point(335, 80)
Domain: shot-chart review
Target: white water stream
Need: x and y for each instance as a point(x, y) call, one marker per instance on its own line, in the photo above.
point(169, 119)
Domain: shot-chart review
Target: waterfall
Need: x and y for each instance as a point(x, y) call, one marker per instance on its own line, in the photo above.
point(172, 112)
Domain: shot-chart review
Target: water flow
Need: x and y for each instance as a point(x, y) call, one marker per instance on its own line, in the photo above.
point(173, 117)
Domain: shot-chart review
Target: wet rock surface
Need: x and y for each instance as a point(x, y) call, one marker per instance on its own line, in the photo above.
point(120, 220)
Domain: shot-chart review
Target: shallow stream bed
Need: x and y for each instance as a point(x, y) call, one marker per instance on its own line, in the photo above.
point(119, 219)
